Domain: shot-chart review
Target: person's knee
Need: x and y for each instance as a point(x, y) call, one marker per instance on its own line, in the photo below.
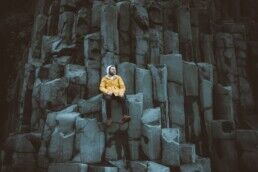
point(120, 98)
point(107, 97)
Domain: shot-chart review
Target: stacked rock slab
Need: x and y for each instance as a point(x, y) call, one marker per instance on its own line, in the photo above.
point(187, 89)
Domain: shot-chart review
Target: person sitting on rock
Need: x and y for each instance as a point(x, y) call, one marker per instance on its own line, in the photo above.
point(112, 86)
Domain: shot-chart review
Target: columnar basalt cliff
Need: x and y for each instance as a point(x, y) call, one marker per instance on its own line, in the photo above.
point(189, 69)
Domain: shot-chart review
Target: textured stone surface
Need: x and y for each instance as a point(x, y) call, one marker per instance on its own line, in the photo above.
point(109, 29)
point(150, 141)
point(170, 146)
point(143, 84)
point(93, 82)
point(151, 116)
point(176, 104)
point(65, 26)
point(53, 94)
point(127, 71)
point(92, 143)
point(159, 75)
point(61, 146)
point(189, 70)
point(135, 108)
point(68, 167)
point(174, 65)
point(190, 73)
point(76, 74)
point(66, 121)
point(223, 105)
point(91, 105)
point(38, 33)
point(187, 153)
point(171, 42)
point(152, 167)
point(100, 168)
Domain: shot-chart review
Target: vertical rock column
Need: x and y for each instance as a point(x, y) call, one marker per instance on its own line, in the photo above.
point(52, 21)
point(185, 32)
point(226, 66)
point(159, 81)
point(39, 30)
point(109, 29)
point(224, 151)
point(191, 92)
point(140, 35)
point(206, 82)
point(170, 31)
point(155, 33)
point(92, 61)
point(175, 90)
point(124, 29)
point(244, 85)
point(66, 21)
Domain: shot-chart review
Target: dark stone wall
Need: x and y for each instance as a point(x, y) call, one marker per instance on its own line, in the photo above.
point(15, 34)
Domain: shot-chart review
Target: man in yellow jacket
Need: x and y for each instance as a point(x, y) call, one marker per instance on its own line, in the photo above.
point(112, 86)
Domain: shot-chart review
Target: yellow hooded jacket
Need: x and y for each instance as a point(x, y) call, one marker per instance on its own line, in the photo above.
point(114, 84)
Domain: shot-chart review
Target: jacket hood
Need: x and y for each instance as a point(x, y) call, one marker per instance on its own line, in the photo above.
point(107, 69)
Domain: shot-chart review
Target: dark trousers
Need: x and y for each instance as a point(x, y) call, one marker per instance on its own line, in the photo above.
point(121, 100)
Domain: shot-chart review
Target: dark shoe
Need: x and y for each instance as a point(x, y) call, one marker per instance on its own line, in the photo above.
point(108, 122)
point(126, 118)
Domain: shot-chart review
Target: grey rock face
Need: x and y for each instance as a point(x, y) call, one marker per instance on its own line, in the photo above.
point(65, 26)
point(92, 50)
point(174, 65)
point(66, 121)
point(155, 45)
point(223, 105)
point(91, 105)
point(152, 167)
point(191, 79)
point(140, 35)
point(96, 15)
point(24, 161)
point(143, 84)
point(187, 153)
point(135, 108)
point(109, 29)
point(191, 167)
point(171, 42)
point(127, 71)
point(205, 163)
point(61, 146)
point(96, 168)
point(159, 82)
point(38, 33)
point(150, 141)
point(93, 82)
point(52, 94)
point(108, 59)
point(68, 167)
point(124, 21)
point(183, 83)
point(170, 146)
point(92, 142)
point(185, 32)
point(151, 116)
point(76, 74)
point(82, 24)
point(77, 78)
point(176, 107)
point(140, 166)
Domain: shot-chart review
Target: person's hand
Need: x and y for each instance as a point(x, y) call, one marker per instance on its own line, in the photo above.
point(109, 93)
point(116, 93)
point(121, 94)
